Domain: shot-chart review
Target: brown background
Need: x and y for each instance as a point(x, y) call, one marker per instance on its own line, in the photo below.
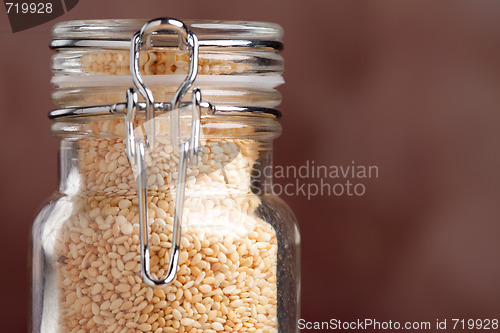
point(410, 86)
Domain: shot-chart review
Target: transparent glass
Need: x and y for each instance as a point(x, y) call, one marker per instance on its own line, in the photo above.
point(239, 262)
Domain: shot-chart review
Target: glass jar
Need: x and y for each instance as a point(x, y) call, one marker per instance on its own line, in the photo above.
point(105, 254)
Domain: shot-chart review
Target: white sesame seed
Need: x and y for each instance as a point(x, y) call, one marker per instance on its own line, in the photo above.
point(177, 315)
point(217, 326)
point(187, 321)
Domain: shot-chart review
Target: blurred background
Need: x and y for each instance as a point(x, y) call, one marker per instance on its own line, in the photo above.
point(412, 87)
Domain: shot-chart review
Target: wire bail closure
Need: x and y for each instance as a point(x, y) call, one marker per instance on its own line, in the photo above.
point(136, 147)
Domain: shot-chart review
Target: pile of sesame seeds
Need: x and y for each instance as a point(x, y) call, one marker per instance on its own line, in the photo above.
point(227, 267)
point(154, 62)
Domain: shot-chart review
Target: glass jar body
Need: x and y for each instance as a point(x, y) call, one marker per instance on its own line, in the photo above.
point(239, 260)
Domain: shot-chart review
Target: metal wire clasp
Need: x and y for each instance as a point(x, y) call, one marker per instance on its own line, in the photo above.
point(136, 147)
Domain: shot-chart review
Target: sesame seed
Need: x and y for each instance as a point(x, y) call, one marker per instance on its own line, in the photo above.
point(217, 326)
point(144, 327)
point(177, 315)
point(126, 228)
point(187, 321)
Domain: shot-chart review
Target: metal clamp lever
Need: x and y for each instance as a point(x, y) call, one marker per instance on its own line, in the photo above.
point(136, 147)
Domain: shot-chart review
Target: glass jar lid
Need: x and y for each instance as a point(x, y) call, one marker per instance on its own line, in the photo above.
point(236, 60)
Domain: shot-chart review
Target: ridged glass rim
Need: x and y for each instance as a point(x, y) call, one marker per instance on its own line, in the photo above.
point(124, 29)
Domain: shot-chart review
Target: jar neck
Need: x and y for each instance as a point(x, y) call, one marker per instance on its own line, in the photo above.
point(232, 162)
